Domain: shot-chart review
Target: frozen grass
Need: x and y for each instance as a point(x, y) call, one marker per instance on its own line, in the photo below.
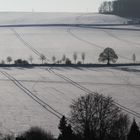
point(19, 111)
point(15, 18)
point(57, 41)
point(25, 41)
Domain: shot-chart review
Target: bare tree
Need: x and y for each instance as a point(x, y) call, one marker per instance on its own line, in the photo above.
point(43, 58)
point(83, 57)
point(9, 59)
point(134, 58)
point(31, 59)
point(108, 55)
point(2, 62)
point(75, 57)
point(64, 58)
point(97, 116)
point(53, 59)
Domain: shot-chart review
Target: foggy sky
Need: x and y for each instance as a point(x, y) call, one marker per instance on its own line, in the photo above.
point(50, 5)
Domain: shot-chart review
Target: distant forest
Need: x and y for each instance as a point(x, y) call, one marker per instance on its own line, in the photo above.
point(125, 8)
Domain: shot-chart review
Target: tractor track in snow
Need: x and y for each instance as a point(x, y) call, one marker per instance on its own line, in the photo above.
point(39, 101)
point(125, 79)
point(27, 44)
point(69, 30)
point(122, 39)
point(88, 91)
point(64, 82)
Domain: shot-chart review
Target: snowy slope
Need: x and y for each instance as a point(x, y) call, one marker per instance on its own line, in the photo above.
point(8, 18)
point(19, 107)
point(19, 111)
point(21, 42)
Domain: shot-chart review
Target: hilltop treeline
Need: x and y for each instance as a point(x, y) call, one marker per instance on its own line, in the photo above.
point(126, 8)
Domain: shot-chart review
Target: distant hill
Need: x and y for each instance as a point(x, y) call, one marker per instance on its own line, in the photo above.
point(15, 18)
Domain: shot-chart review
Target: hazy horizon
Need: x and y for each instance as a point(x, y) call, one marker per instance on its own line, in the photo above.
point(50, 5)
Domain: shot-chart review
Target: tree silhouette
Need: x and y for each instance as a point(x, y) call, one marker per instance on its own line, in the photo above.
point(31, 59)
point(108, 55)
point(75, 57)
point(95, 116)
point(43, 58)
point(64, 58)
point(83, 57)
point(2, 62)
point(65, 129)
point(35, 133)
point(9, 59)
point(134, 133)
point(68, 61)
point(53, 59)
point(127, 8)
point(134, 58)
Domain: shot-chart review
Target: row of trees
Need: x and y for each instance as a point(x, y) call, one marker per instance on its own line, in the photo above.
point(44, 59)
point(128, 8)
point(92, 117)
point(64, 59)
point(108, 55)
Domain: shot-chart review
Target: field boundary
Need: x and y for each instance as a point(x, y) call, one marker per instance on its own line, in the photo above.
point(71, 65)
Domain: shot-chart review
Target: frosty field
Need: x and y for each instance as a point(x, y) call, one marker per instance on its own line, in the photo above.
point(38, 96)
point(56, 88)
point(21, 42)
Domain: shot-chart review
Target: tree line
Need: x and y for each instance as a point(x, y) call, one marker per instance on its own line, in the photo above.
point(107, 56)
point(92, 117)
point(126, 8)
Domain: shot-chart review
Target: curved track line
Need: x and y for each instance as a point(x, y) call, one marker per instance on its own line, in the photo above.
point(86, 90)
point(46, 106)
point(25, 43)
point(64, 82)
point(122, 39)
point(69, 30)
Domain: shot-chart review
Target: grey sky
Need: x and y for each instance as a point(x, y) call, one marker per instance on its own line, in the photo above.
point(50, 5)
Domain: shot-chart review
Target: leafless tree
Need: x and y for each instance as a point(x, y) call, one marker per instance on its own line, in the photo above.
point(134, 58)
point(83, 57)
point(64, 58)
point(53, 59)
point(95, 115)
point(2, 62)
point(31, 59)
point(9, 59)
point(43, 58)
point(75, 56)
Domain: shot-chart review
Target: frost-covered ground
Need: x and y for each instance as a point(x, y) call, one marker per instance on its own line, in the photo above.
point(32, 96)
point(21, 42)
point(16, 18)
point(57, 87)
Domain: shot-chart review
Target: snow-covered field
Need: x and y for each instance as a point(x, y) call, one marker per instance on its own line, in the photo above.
point(26, 91)
point(16, 18)
point(37, 96)
point(21, 42)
